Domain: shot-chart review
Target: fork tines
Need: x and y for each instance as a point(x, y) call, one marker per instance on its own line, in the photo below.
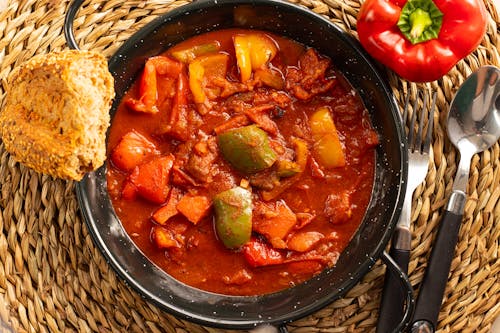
point(415, 141)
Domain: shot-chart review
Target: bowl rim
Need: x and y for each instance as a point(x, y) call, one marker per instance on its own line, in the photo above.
point(171, 307)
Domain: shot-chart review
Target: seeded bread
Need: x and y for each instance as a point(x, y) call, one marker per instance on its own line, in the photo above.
point(56, 113)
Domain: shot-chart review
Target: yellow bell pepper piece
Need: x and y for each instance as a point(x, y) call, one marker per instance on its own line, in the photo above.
point(327, 148)
point(252, 52)
point(202, 69)
point(262, 50)
point(242, 51)
point(301, 153)
point(196, 73)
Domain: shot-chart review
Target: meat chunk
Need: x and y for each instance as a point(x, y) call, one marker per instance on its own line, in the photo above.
point(201, 160)
point(338, 207)
point(265, 180)
point(226, 88)
point(304, 241)
point(309, 79)
point(277, 98)
point(260, 116)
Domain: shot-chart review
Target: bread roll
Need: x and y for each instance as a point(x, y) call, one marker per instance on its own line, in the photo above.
point(56, 113)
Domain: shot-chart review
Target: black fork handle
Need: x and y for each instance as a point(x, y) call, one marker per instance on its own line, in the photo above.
point(393, 298)
point(406, 294)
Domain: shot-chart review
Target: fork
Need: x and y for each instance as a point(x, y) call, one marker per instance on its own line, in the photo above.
point(419, 141)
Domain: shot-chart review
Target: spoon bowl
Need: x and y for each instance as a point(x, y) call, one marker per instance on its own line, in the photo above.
point(473, 126)
point(474, 116)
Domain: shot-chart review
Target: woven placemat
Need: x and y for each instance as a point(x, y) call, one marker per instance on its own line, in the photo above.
point(53, 279)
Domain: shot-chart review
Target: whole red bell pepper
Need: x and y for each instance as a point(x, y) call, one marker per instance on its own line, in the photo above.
point(421, 40)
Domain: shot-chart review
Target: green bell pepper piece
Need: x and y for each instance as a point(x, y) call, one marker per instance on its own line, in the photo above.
point(247, 149)
point(233, 216)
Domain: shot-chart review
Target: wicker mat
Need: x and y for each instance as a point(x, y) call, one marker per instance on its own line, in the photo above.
point(53, 279)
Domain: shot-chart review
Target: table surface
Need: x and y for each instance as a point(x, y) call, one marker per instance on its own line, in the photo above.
point(53, 278)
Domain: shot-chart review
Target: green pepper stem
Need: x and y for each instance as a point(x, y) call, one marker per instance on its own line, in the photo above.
point(420, 21)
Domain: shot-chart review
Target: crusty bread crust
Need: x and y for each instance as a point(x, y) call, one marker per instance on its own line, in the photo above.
point(56, 113)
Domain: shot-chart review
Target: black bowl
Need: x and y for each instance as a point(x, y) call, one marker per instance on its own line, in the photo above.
point(376, 228)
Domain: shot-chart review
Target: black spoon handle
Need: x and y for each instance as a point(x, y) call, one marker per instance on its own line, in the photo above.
point(433, 285)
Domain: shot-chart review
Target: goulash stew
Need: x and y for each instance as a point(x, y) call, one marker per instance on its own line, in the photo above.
point(240, 162)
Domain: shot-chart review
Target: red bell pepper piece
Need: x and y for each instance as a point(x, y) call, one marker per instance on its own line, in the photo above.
point(151, 179)
point(129, 190)
point(163, 238)
point(132, 150)
point(421, 40)
point(194, 207)
point(274, 221)
point(180, 100)
point(147, 91)
point(165, 212)
point(166, 66)
point(258, 253)
point(148, 87)
point(178, 122)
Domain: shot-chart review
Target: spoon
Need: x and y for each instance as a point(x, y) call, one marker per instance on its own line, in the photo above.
point(473, 126)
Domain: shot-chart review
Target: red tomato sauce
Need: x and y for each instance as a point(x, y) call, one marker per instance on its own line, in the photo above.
point(164, 178)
